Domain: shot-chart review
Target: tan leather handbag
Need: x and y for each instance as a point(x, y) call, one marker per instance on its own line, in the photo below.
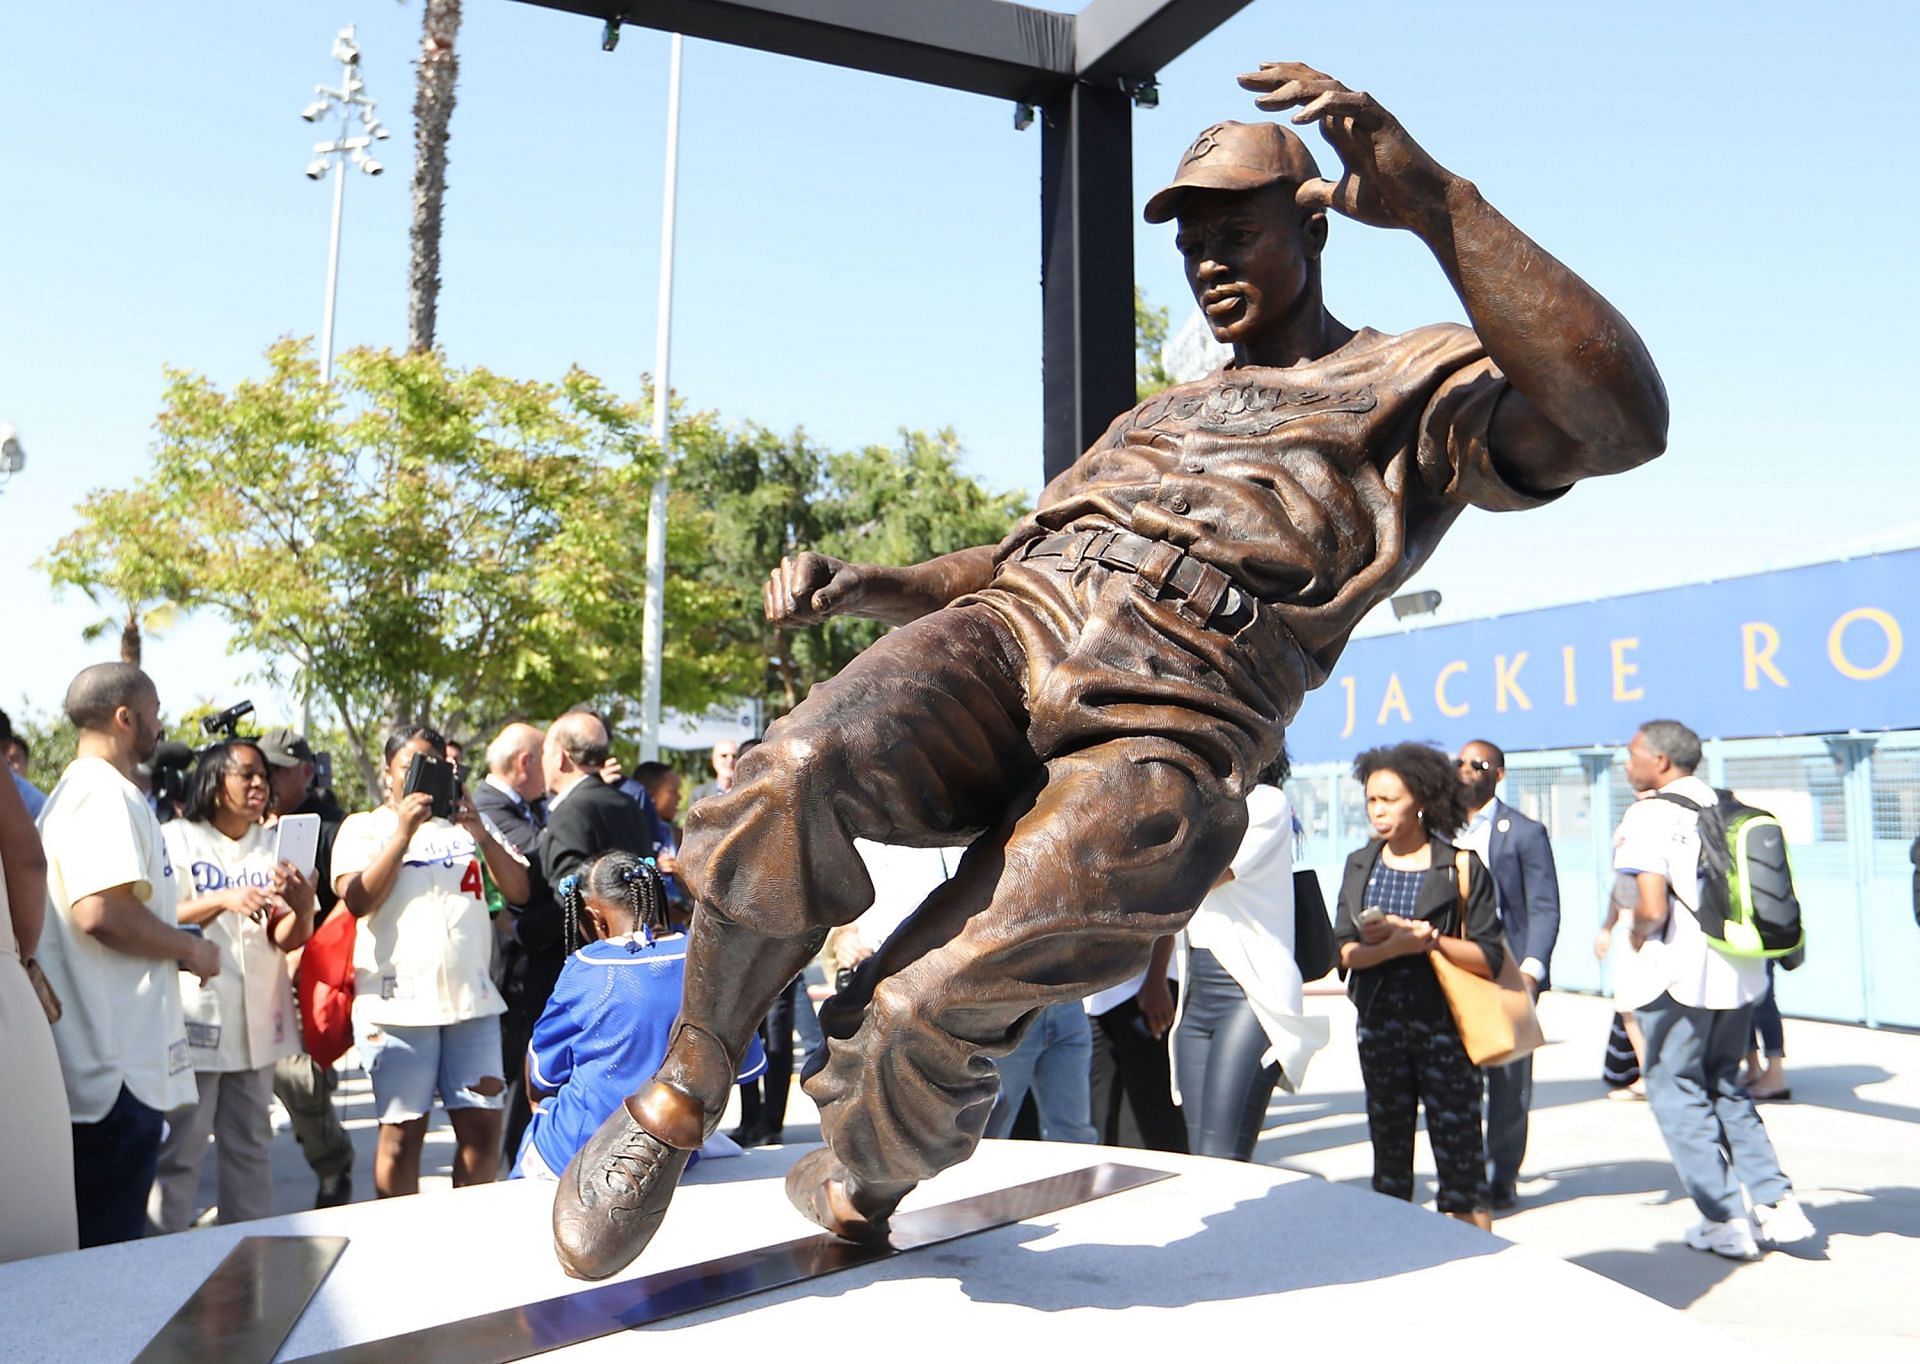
point(1496, 1018)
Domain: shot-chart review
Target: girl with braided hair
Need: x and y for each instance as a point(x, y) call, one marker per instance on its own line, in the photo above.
point(605, 1030)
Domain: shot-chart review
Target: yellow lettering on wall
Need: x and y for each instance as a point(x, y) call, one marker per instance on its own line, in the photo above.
point(1566, 664)
point(1395, 699)
point(1836, 640)
point(1622, 670)
point(1759, 642)
point(1506, 681)
point(1447, 708)
point(1346, 685)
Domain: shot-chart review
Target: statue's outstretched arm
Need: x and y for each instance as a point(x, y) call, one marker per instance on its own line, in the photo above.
point(1586, 398)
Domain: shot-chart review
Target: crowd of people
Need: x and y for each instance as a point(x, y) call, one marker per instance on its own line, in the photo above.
point(517, 954)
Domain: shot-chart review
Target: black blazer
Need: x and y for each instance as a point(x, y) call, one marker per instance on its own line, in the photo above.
point(516, 819)
point(1438, 900)
point(592, 819)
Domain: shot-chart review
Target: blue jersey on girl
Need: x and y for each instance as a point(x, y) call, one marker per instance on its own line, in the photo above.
point(602, 1036)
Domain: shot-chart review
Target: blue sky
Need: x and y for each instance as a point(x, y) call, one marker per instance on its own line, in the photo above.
point(858, 254)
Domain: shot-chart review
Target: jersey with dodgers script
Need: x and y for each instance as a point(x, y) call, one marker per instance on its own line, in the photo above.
point(421, 958)
point(243, 1018)
point(121, 1022)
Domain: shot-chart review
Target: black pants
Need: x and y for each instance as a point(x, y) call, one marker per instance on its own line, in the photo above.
point(1509, 1096)
point(113, 1164)
point(763, 1102)
point(516, 1031)
point(1224, 1089)
point(1132, 1091)
point(1409, 1059)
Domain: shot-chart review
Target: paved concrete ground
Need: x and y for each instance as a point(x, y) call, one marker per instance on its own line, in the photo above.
point(1598, 1190)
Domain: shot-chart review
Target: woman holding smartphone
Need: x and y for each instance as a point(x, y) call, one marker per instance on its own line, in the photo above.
point(1401, 901)
point(255, 909)
point(425, 1012)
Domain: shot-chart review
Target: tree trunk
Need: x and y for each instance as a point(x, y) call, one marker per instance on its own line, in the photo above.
point(130, 643)
point(432, 113)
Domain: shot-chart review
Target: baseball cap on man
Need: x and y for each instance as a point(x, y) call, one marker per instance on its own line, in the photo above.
point(284, 747)
point(1235, 156)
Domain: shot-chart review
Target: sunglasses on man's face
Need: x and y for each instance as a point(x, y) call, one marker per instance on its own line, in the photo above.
point(1474, 764)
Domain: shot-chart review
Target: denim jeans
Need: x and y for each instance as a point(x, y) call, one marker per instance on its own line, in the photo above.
point(113, 1165)
point(1054, 1060)
point(1715, 1136)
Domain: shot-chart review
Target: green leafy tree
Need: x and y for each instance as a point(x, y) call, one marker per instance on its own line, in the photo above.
point(1149, 340)
point(414, 542)
point(754, 496)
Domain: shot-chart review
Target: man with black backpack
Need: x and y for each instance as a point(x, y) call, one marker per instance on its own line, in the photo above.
point(1697, 1030)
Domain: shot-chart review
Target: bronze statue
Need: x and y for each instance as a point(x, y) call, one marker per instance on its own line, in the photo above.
point(1087, 701)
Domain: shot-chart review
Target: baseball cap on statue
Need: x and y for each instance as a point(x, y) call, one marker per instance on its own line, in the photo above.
point(1235, 156)
point(284, 747)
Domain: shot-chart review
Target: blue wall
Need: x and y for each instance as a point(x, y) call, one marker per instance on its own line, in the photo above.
point(1814, 650)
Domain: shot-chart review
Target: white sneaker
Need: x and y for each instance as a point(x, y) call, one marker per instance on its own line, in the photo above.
point(1733, 1239)
point(1783, 1224)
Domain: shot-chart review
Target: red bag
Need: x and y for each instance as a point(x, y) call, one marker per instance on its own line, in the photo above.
point(325, 988)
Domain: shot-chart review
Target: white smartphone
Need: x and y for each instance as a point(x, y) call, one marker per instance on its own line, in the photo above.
point(299, 842)
point(1372, 914)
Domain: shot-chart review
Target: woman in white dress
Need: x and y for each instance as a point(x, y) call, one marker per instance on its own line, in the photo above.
point(36, 1129)
point(242, 1021)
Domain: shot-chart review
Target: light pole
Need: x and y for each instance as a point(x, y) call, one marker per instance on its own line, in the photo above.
point(653, 628)
point(350, 97)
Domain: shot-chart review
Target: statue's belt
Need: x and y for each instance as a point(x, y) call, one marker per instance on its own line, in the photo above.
point(1162, 571)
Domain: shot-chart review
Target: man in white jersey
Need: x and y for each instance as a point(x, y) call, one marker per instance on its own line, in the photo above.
point(1697, 1030)
point(113, 951)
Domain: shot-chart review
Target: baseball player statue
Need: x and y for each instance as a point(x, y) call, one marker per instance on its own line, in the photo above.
point(1086, 703)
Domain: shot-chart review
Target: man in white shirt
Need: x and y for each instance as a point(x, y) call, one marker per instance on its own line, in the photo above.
point(1698, 1029)
point(113, 952)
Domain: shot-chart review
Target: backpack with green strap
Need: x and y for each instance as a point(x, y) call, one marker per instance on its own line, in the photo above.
point(1747, 904)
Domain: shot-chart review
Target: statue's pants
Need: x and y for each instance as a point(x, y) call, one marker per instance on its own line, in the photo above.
point(1098, 741)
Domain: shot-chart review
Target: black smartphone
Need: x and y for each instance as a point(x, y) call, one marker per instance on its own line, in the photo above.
point(436, 777)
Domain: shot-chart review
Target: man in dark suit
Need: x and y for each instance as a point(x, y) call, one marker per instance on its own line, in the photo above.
point(585, 816)
point(1516, 849)
point(513, 796)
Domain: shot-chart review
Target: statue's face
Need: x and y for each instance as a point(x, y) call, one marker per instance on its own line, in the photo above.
point(1248, 260)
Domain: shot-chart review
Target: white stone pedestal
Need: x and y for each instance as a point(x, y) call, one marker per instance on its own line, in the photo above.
point(1239, 1262)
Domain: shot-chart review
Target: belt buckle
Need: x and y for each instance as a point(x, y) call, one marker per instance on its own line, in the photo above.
point(1075, 551)
point(1157, 567)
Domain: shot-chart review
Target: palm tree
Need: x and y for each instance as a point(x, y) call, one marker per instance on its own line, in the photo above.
point(432, 113)
point(139, 623)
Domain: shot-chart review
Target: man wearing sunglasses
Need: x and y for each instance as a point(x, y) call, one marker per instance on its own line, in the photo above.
point(1516, 849)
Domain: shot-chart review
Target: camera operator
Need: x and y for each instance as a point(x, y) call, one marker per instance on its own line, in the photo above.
point(112, 949)
point(425, 1012)
point(255, 910)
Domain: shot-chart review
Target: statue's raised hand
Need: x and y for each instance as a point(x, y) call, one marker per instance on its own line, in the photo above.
point(808, 588)
point(1389, 179)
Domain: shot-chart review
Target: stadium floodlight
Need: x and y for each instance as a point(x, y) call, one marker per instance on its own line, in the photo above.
point(350, 99)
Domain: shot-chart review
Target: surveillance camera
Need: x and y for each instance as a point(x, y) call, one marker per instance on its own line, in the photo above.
point(13, 458)
point(317, 170)
point(371, 167)
point(345, 49)
point(314, 112)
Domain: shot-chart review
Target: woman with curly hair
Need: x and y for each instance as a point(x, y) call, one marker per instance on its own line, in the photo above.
point(1407, 894)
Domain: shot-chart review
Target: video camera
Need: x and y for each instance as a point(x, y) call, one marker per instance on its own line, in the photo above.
point(227, 723)
point(167, 772)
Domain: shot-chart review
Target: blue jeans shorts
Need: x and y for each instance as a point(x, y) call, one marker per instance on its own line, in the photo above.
point(408, 1064)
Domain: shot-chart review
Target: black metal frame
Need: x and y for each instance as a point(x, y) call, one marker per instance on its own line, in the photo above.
point(1081, 70)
